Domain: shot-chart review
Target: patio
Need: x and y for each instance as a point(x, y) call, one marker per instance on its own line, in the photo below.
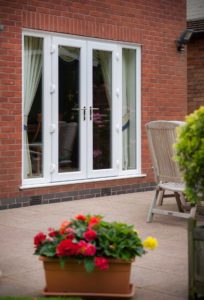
point(160, 274)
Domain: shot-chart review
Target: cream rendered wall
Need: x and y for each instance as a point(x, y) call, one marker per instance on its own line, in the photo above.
point(195, 9)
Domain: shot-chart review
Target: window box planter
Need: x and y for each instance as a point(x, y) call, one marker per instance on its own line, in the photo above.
point(73, 279)
point(88, 256)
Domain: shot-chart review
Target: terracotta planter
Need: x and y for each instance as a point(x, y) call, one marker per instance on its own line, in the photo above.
point(73, 279)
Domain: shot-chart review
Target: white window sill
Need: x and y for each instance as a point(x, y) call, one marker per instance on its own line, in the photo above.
point(39, 185)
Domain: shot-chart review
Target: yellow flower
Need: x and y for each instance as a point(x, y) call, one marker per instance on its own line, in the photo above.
point(150, 243)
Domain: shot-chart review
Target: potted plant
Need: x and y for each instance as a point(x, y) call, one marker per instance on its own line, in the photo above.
point(190, 156)
point(89, 256)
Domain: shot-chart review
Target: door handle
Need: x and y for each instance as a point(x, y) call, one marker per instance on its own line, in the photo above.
point(91, 109)
point(84, 111)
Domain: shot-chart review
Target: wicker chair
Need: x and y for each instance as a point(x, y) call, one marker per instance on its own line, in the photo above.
point(161, 137)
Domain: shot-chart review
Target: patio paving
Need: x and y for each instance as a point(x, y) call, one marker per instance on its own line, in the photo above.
point(160, 274)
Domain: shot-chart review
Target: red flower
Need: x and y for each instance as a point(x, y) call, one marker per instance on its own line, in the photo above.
point(87, 249)
point(39, 238)
point(67, 248)
point(101, 262)
point(52, 232)
point(90, 250)
point(94, 220)
point(80, 218)
point(90, 235)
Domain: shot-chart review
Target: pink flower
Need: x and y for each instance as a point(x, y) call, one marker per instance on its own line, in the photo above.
point(87, 249)
point(70, 233)
point(101, 262)
point(90, 235)
point(67, 248)
point(39, 238)
point(90, 250)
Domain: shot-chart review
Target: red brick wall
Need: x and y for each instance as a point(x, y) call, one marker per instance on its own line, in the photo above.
point(195, 71)
point(154, 24)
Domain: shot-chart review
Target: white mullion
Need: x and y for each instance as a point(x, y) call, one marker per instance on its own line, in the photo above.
point(46, 109)
point(54, 110)
point(89, 147)
point(82, 104)
point(138, 109)
point(118, 110)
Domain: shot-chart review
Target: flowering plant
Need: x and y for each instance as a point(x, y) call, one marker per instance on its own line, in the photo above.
point(92, 240)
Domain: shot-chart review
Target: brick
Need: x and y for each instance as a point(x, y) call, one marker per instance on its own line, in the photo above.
point(163, 76)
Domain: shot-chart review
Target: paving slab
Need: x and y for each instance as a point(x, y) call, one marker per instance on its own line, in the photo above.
point(161, 274)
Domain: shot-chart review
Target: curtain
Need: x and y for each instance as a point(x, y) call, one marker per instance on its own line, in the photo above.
point(32, 73)
point(69, 54)
point(105, 59)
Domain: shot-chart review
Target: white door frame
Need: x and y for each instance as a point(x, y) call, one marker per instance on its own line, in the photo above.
point(113, 171)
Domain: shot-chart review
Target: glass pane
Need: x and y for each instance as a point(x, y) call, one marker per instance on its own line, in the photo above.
point(33, 138)
point(129, 109)
point(101, 110)
point(69, 109)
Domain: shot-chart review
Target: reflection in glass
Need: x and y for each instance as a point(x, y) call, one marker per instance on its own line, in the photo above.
point(69, 112)
point(129, 109)
point(32, 134)
point(101, 110)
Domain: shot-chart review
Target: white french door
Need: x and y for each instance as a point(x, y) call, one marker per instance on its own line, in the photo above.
point(102, 106)
point(84, 115)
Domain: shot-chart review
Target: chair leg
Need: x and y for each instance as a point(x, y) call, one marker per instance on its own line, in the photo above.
point(161, 197)
point(153, 205)
point(178, 201)
point(193, 211)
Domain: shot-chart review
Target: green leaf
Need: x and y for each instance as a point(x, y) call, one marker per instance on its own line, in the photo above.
point(89, 264)
point(47, 249)
point(62, 262)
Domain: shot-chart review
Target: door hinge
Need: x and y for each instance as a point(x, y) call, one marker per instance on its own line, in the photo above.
point(52, 88)
point(52, 49)
point(52, 128)
point(117, 92)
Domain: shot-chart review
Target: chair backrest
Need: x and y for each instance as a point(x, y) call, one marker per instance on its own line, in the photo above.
point(161, 137)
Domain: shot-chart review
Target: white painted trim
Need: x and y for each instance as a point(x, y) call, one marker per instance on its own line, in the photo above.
point(31, 186)
point(81, 174)
point(116, 47)
point(46, 73)
point(113, 49)
point(138, 112)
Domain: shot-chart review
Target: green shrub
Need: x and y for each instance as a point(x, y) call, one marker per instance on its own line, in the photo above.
point(190, 155)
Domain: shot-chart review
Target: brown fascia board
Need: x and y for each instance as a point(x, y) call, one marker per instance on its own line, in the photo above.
point(196, 25)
